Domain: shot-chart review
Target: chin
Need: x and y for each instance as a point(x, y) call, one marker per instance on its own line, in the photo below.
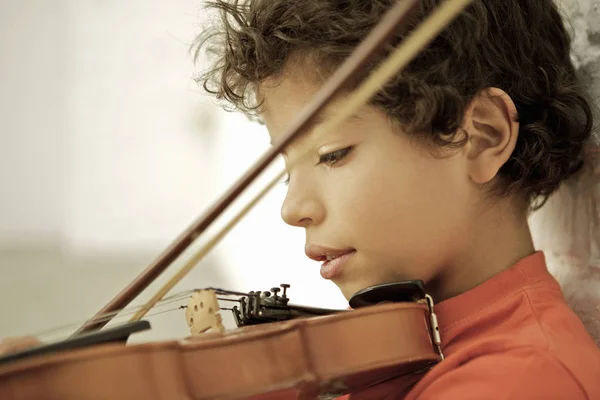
point(349, 288)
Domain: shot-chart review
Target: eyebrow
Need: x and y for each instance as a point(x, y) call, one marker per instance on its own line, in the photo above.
point(317, 120)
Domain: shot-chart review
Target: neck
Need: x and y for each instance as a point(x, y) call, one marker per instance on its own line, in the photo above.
point(500, 239)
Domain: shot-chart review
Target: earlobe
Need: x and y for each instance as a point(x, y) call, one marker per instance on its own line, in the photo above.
point(492, 127)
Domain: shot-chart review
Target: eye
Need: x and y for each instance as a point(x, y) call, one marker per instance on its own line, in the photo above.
point(334, 156)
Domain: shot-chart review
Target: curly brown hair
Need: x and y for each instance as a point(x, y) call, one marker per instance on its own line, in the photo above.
point(519, 46)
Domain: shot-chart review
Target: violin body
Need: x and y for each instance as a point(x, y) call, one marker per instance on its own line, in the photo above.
point(298, 359)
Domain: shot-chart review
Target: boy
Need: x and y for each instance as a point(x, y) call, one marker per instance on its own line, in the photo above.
point(434, 178)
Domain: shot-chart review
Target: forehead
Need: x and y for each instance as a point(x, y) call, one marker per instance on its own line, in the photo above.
point(284, 98)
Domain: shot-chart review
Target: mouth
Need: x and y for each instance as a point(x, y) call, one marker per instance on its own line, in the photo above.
point(333, 259)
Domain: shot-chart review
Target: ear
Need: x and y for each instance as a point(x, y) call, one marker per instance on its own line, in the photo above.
point(492, 126)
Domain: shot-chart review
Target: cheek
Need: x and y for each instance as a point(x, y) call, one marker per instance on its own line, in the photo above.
point(394, 208)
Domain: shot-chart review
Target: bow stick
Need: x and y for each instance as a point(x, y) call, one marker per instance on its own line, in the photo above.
point(392, 21)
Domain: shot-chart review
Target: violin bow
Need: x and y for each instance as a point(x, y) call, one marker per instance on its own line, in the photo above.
point(394, 20)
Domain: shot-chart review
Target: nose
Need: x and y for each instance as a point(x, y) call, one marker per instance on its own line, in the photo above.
point(302, 206)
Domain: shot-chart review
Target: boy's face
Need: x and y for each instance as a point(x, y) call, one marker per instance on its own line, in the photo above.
point(364, 191)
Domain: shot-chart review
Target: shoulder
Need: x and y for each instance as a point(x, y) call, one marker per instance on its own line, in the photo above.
point(518, 373)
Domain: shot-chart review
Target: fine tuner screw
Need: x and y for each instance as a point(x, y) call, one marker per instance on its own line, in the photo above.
point(275, 290)
point(285, 286)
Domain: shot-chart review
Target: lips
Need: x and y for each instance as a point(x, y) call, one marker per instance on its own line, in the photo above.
point(319, 253)
point(334, 259)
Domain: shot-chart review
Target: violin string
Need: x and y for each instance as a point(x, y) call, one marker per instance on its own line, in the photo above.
point(130, 310)
point(148, 316)
point(166, 311)
point(227, 292)
point(231, 300)
point(119, 313)
point(393, 65)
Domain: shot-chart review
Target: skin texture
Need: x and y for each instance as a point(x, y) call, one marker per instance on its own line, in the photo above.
point(409, 212)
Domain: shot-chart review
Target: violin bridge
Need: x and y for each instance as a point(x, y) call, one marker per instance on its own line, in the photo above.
point(202, 313)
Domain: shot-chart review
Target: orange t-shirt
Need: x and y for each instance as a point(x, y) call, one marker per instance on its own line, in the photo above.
point(512, 337)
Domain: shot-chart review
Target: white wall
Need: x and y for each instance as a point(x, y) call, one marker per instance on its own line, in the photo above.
point(33, 46)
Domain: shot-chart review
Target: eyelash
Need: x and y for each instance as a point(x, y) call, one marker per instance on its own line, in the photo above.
point(329, 159)
point(334, 157)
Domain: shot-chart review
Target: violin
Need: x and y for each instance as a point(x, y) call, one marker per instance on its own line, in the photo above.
point(279, 350)
point(294, 358)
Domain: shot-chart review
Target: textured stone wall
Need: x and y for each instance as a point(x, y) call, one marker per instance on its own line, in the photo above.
point(584, 16)
point(567, 228)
